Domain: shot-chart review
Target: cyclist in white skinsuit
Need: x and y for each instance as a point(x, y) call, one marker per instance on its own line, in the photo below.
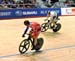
point(52, 17)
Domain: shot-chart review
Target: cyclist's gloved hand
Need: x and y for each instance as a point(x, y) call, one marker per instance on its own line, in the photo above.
point(23, 35)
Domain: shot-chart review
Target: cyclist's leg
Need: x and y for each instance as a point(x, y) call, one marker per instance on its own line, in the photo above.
point(35, 37)
point(53, 24)
point(34, 41)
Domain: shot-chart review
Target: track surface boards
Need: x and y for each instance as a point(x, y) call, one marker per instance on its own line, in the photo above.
point(58, 46)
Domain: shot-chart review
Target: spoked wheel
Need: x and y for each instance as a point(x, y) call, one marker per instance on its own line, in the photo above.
point(39, 44)
point(57, 28)
point(44, 27)
point(24, 46)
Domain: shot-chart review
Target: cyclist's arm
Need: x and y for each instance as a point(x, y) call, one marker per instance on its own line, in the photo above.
point(25, 31)
point(48, 16)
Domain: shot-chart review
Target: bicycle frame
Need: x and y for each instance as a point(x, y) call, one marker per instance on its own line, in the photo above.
point(25, 44)
point(30, 39)
point(49, 22)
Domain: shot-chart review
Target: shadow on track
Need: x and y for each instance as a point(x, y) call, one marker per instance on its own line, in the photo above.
point(51, 34)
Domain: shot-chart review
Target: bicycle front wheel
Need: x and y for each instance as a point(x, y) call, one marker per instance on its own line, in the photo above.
point(44, 27)
point(24, 46)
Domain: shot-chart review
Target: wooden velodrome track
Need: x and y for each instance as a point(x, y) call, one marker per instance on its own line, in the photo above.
point(58, 46)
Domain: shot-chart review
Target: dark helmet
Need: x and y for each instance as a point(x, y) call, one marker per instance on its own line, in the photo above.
point(26, 22)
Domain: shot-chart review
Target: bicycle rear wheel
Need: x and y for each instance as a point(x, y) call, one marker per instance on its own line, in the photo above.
point(57, 28)
point(24, 46)
point(39, 44)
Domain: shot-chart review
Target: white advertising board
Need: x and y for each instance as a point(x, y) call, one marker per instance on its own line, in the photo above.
point(67, 11)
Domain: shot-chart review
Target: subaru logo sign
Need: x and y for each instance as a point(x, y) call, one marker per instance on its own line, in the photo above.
point(19, 13)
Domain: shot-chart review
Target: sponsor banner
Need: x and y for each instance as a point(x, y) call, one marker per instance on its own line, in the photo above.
point(19, 13)
point(67, 11)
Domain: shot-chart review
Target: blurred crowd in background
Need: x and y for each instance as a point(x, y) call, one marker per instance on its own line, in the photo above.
point(5, 4)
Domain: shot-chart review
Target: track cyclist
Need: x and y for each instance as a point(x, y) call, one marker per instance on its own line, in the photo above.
point(34, 29)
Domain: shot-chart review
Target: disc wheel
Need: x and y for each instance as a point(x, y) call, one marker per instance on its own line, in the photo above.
point(40, 42)
point(57, 28)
